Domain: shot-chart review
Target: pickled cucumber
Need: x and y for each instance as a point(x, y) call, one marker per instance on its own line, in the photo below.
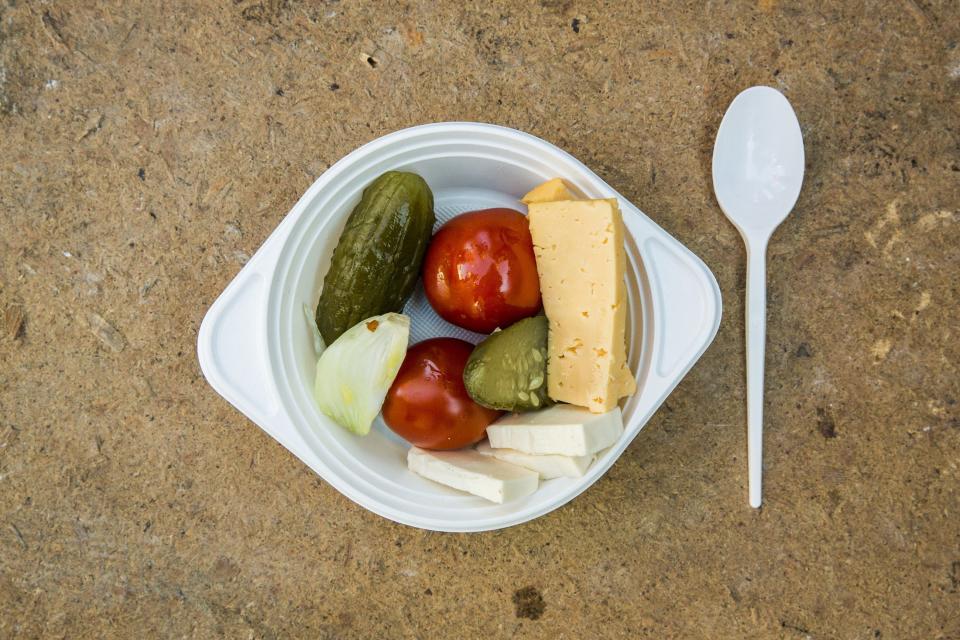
point(377, 260)
point(508, 370)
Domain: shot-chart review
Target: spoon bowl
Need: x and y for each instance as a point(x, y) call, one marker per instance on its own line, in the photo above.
point(758, 160)
point(758, 163)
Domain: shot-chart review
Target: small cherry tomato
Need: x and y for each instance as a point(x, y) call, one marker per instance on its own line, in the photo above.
point(428, 405)
point(480, 272)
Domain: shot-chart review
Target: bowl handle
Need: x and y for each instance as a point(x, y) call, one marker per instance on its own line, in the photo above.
point(686, 309)
point(231, 345)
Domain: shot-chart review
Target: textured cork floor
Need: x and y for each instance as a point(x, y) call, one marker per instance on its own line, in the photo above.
point(149, 148)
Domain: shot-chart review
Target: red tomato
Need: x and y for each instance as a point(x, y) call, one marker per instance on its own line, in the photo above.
point(480, 272)
point(428, 405)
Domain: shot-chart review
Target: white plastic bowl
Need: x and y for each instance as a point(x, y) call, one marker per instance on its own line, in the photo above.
point(256, 350)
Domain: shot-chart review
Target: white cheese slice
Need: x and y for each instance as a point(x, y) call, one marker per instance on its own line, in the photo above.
point(474, 473)
point(548, 466)
point(562, 429)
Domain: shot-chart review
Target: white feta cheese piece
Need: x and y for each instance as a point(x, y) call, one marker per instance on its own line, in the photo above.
point(548, 466)
point(474, 473)
point(562, 429)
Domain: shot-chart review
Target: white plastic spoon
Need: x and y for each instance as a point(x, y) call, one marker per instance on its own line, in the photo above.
point(757, 172)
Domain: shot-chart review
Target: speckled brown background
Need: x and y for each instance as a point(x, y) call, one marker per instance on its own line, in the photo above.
point(149, 148)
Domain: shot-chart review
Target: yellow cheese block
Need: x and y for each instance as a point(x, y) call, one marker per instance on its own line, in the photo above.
point(551, 191)
point(581, 262)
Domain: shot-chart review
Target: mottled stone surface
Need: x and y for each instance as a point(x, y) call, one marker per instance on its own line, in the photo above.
point(147, 149)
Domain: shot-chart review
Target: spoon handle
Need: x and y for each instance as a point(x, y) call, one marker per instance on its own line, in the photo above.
point(756, 342)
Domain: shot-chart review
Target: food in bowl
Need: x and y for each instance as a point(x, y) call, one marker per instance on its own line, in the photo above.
point(355, 373)
point(508, 370)
point(584, 299)
point(428, 404)
point(560, 375)
point(377, 259)
point(480, 272)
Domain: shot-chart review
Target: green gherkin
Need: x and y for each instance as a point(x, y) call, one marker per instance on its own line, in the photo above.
point(508, 370)
point(377, 260)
